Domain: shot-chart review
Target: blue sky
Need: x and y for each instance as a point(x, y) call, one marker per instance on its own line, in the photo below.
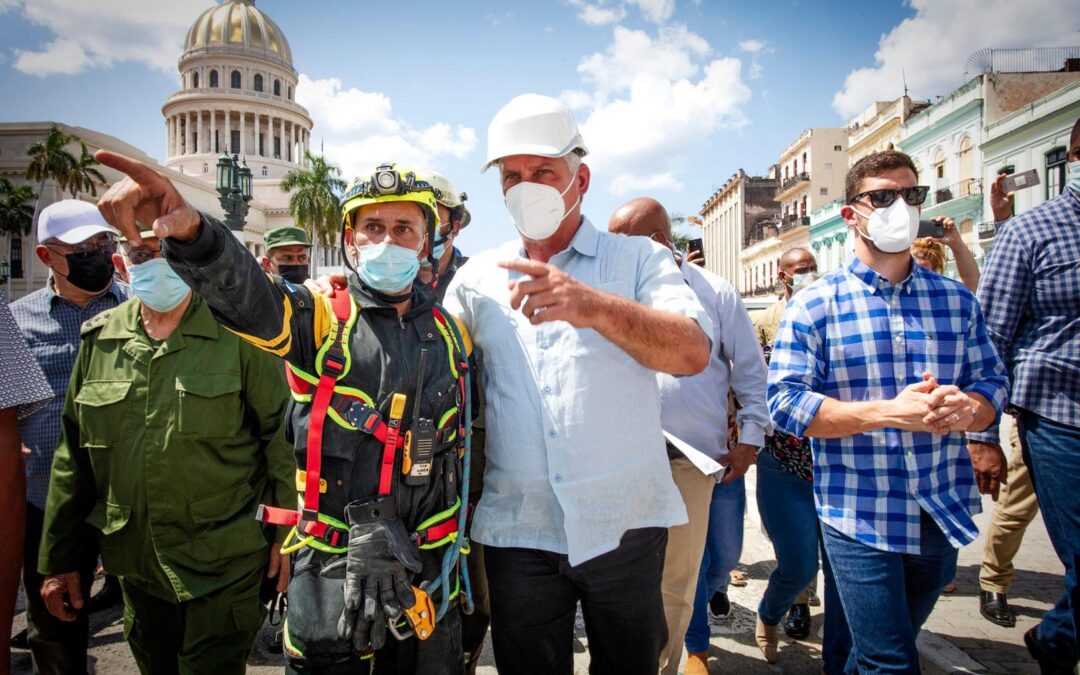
point(673, 95)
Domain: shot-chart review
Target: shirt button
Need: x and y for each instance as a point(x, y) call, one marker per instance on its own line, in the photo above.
point(543, 345)
point(547, 389)
point(557, 478)
point(551, 433)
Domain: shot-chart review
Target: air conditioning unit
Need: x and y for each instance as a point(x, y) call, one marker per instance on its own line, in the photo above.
point(942, 195)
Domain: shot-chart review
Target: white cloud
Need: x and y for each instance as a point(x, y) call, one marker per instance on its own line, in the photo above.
point(105, 32)
point(657, 11)
point(755, 70)
point(752, 46)
point(595, 15)
point(360, 130)
point(931, 48)
point(652, 100)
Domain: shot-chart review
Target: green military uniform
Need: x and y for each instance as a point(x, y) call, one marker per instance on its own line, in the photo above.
point(167, 447)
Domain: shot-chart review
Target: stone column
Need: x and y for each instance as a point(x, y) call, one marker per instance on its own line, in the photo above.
point(228, 131)
point(168, 137)
point(243, 134)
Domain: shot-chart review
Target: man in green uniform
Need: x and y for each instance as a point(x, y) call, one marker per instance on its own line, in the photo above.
point(171, 435)
point(288, 254)
point(378, 374)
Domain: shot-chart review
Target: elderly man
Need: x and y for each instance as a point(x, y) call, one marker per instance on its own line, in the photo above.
point(25, 390)
point(695, 410)
point(171, 433)
point(77, 246)
point(885, 384)
point(288, 254)
point(578, 495)
point(1030, 292)
point(379, 377)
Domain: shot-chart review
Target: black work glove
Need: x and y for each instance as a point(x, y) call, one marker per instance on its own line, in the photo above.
point(380, 564)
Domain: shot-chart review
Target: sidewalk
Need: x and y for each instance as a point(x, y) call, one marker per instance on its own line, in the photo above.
point(956, 639)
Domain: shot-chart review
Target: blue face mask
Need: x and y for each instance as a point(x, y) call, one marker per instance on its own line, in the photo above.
point(437, 251)
point(1073, 178)
point(157, 285)
point(801, 281)
point(387, 268)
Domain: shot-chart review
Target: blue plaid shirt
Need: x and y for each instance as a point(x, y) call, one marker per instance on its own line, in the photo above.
point(1030, 293)
point(51, 326)
point(854, 336)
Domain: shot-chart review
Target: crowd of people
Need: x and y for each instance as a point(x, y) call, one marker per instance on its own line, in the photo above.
point(434, 445)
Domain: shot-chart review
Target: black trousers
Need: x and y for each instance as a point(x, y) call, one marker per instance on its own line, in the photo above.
point(56, 647)
point(534, 596)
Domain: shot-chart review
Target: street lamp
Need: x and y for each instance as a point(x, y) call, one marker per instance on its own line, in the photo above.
point(234, 186)
point(5, 271)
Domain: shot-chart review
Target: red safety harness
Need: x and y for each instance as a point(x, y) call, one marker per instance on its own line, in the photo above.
point(306, 519)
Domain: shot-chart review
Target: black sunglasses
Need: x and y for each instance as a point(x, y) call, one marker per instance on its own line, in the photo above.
point(141, 255)
point(881, 199)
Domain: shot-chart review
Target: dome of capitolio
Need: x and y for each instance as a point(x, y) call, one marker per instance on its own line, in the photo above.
point(238, 25)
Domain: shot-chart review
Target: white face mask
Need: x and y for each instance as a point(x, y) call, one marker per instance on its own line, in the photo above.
point(891, 229)
point(537, 209)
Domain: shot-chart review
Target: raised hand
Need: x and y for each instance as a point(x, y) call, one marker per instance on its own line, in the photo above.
point(145, 196)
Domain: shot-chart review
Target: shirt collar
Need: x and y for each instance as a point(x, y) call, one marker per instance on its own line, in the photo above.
point(197, 321)
point(874, 281)
point(586, 240)
point(114, 290)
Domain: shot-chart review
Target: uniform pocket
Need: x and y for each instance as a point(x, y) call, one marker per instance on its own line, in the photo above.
point(108, 517)
point(100, 418)
point(224, 525)
point(209, 404)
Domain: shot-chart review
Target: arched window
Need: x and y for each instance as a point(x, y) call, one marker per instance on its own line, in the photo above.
point(967, 166)
point(277, 87)
point(290, 92)
point(213, 78)
point(258, 83)
point(939, 165)
point(264, 172)
point(195, 80)
point(235, 79)
point(804, 165)
point(1055, 172)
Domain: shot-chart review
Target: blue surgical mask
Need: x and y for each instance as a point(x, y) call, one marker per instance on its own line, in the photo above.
point(387, 268)
point(801, 281)
point(436, 251)
point(157, 285)
point(1073, 179)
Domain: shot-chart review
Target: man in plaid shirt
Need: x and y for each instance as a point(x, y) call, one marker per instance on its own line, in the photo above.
point(1030, 291)
point(884, 365)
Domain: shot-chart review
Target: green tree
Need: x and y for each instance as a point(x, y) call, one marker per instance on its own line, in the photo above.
point(84, 177)
point(49, 159)
point(315, 202)
point(16, 211)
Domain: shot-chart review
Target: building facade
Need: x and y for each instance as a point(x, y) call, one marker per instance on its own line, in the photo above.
point(730, 213)
point(237, 95)
point(878, 127)
point(829, 236)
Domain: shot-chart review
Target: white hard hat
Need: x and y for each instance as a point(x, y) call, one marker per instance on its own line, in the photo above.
point(71, 221)
point(447, 195)
point(532, 124)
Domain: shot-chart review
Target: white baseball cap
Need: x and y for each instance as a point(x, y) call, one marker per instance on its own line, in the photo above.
point(71, 221)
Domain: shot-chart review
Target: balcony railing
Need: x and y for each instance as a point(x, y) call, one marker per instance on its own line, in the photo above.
point(792, 221)
point(797, 178)
point(947, 193)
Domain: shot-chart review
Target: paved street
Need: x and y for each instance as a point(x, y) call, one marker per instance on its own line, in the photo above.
point(956, 638)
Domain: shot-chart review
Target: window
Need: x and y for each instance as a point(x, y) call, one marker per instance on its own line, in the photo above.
point(262, 148)
point(805, 165)
point(277, 87)
point(277, 147)
point(939, 164)
point(258, 83)
point(290, 92)
point(235, 83)
point(234, 141)
point(824, 192)
point(838, 148)
point(194, 141)
point(213, 78)
point(1055, 172)
point(205, 168)
point(195, 80)
point(828, 165)
point(217, 140)
point(16, 255)
point(264, 172)
point(967, 166)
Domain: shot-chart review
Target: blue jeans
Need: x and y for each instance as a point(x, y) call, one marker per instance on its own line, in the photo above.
point(723, 546)
point(786, 504)
point(889, 595)
point(1052, 453)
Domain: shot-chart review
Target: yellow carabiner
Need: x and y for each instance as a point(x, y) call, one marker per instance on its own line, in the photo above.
point(286, 549)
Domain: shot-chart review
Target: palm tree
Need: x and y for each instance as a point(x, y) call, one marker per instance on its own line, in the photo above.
point(84, 177)
point(49, 159)
point(315, 203)
point(16, 213)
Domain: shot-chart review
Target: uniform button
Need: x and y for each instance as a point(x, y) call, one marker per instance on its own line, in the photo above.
point(557, 478)
point(551, 434)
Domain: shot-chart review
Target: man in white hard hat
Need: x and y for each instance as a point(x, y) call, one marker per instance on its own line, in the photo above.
point(577, 492)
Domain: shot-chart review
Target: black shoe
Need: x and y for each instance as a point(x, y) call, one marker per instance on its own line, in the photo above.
point(110, 595)
point(20, 640)
point(719, 606)
point(995, 608)
point(1038, 652)
point(797, 625)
